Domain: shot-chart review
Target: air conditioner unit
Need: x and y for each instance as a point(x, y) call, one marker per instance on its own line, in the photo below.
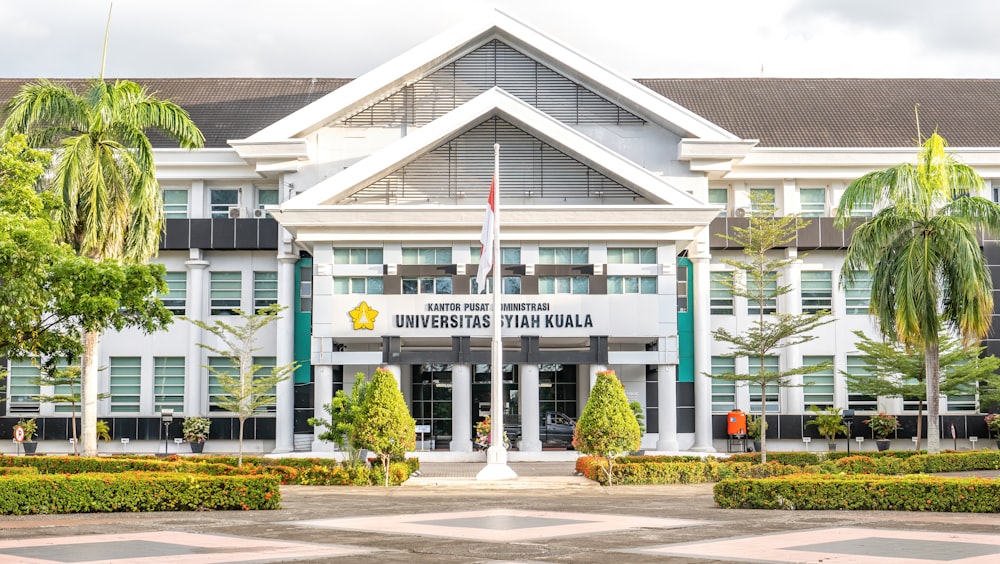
point(259, 213)
point(741, 212)
point(234, 212)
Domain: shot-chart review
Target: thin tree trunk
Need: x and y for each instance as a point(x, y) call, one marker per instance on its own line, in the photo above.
point(88, 393)
point(920, 420)
point(240, 459)
point(933, 365)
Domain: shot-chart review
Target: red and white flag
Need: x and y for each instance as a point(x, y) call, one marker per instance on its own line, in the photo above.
point(486, 238)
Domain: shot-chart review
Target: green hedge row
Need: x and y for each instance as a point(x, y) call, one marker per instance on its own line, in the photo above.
point(17, 470)
point(135, 491)
point(115, 464)
point(861, 492)
point(663, 470)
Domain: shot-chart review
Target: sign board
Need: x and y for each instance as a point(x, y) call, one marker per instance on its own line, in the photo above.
point(423, 428)
point(19, 434)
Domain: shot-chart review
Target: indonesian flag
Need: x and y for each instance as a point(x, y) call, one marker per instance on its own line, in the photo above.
point(486, 238)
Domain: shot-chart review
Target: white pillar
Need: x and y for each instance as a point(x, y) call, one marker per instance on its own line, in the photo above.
point(594, 369)
point(322, 394)
point(397, 372)
point(666, 396)
point(793, 397)
point(529, 408)
point(461, 408)
point(702, 351)
point(194, 404)
point(582, 388)
point(284, 435)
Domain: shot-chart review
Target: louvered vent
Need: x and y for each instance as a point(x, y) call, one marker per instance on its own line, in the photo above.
point(493, 64)
point(530, 172)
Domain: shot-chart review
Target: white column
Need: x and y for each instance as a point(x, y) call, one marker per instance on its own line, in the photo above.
point(594, 369)
point(194, 385)
point(397, 372)
point(666, 396)
point(582, 388)
point(792, 396)
point(702, 351)
point(284, 437)
point(529, 408)
point(461, 408)
point(322, 394)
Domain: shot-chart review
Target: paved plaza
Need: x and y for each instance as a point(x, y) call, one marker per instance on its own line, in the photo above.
point(547, 515)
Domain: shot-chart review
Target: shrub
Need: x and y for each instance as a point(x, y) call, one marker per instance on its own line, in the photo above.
point(790, 458)
point(882, 425)
point(195, 429)
point(384, 424)
point(608, 427)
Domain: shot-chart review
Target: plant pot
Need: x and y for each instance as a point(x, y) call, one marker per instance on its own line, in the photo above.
point(831, 447)
point(882, 444)
point(756, 446)
point(29, 448)
point(197, 448)
point(998, 444)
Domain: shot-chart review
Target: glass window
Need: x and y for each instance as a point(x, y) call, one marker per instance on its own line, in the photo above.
point(219, 364)
point(719, 196)
point(508, 255)
point(771, 389)
point(427, 285)
point(770, 287)
point(627, 255)
point(858, 293)
point(563, 284)
point(265, 289)
point(427, 255)
point(511, 285)
point(357, 256)
point(721, 293)
point(817, 291)
point(23, 393)
point(813, 201)
point(176, 297)
point(357, 285)
point(723, 391)
point(682, 289)
point(222, 200)
point(818, 390)
point(225, 289)
point(175, 204)
point(856, 367)
point(963, 398)
point(557, 388)
point(267, 198)
point(168, 383)
point(762, 199)
point(563, 255)
point(631, 284)
point(125, 375)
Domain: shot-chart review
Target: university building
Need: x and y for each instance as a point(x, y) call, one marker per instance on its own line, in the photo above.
point(358, 204)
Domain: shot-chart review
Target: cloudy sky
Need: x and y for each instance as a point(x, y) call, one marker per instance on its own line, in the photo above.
point(638, 38)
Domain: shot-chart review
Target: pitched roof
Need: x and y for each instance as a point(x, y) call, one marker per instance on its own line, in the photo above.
point(780, 112)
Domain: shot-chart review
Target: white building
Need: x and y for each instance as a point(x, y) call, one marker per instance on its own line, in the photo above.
point(612, 192)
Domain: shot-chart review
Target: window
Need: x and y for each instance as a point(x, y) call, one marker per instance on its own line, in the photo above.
point(305, 288)
point(813, 202)
point(818, 390)
point(817, 291)
point(427, 255)
point(267, 365)
point(511, 285)
point(168, 383)
point(266, 198)
point(176, 297)
point(125, 375)
point(762, 200)
point(771, 389)
point(626, 255)
point(682, 289)
point(219, 364)
point(265, 289)
point(963, 398)
point(23, 393)
point(723, 391)
point(857, 368)
point(427, 285)
point(563, 255)
point(721, 293)
point(631, 284)
point(557, 388)
point(357, 256)
point(508, 255)
point(175, 204)
point(862, 209)
point(563, 285)
point(357, 285)
point(222, 200)
point(225, 289)
point(719, 196)
point(770, 288)
point(858, 293)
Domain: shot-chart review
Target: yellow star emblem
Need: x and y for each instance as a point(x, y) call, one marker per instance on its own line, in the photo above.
point(363, 317)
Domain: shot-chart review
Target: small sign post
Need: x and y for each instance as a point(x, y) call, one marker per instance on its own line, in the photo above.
point(19, 437)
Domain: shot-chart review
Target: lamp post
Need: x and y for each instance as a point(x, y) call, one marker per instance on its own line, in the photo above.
point(167, 417)
point(848, 415)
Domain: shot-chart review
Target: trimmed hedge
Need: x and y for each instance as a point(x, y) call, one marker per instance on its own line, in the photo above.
point(135, 491)
point(664, 470)
point(861, 492)
point(790, 458)
point(17, 470)
point(114, 465)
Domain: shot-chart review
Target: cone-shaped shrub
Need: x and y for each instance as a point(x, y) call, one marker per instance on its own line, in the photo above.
point(384, 425)
point(608, 427)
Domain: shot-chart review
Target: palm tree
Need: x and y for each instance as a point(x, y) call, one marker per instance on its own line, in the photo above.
point(922, 248)
point(112, 207)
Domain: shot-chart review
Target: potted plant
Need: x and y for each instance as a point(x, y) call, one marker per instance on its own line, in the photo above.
point(195, 431)
point(30, 428)
point(882, 425)
point(756, 426)
point(829, 422)
point(993, 424)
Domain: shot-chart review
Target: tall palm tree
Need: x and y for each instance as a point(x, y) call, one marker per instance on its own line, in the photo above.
point(922, 248)
point(112, 207)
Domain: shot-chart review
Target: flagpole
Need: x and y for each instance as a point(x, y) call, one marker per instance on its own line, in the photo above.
point(496, 456)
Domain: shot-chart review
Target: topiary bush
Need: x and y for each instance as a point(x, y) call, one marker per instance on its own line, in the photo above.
point(608, 427)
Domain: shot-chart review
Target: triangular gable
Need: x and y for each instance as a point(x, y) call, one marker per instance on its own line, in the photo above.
point(494, 102)
point(453, 44)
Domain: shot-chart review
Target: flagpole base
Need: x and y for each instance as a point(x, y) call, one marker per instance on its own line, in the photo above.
point(496, 466)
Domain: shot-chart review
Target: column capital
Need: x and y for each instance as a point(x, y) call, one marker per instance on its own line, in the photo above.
point(288, 259)
point(196, 264)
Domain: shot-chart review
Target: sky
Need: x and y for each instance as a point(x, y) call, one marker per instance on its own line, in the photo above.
point(636, 38)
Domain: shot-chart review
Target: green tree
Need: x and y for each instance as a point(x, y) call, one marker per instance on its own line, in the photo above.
point(344, 410)
point(384, 424)
point(66, 385)
point(761, 285)
point(895, 370)
point(246, 393)
point(608, 427)
point(922, 248)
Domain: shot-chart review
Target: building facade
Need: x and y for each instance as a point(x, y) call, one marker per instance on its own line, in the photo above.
point(359, 204)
